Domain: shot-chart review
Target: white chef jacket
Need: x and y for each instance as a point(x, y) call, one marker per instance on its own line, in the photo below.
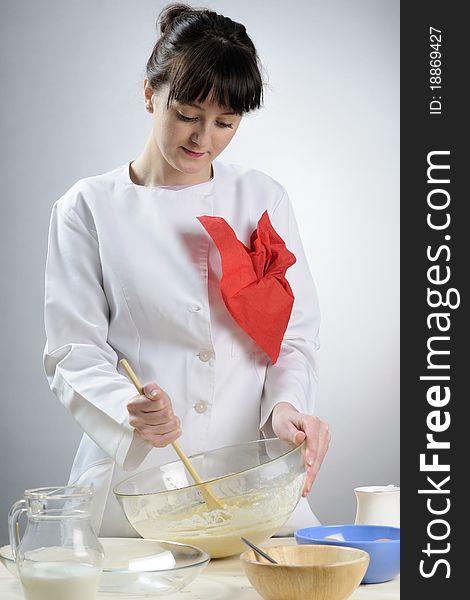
point(132, 273)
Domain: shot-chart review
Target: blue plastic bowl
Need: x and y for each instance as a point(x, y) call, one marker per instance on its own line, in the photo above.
point(384, 555)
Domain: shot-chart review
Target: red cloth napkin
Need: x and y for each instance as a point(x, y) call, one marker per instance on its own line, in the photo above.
point(253, 284)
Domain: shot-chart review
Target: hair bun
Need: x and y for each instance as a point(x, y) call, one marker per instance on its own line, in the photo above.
point(169, 14)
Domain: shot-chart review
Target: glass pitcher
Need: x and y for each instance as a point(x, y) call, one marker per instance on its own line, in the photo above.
point(59, 556)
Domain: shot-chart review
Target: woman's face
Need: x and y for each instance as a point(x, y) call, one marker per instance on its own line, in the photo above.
point(190, 137)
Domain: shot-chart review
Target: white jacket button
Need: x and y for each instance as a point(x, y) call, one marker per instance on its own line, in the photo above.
point(205, 355)
point(200, 407)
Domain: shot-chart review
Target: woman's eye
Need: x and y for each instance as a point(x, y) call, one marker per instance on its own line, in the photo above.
point(184, 118)
point(193, 119)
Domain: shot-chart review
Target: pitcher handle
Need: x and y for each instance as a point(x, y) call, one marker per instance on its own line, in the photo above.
point(14, 525)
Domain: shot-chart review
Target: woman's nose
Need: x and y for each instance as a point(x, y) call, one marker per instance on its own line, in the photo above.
point(200, 136)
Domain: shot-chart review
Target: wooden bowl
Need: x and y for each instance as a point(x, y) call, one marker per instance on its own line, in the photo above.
point(306, 572)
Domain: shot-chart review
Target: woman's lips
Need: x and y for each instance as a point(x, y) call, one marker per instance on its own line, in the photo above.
point(193, 154)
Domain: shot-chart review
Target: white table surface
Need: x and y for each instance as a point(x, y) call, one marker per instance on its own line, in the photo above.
point(222, 579)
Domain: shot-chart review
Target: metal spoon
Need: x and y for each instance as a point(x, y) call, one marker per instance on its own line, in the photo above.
point(259, 551)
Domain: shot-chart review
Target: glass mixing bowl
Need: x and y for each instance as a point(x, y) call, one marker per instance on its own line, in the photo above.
point(134, 567)
point(259, 484)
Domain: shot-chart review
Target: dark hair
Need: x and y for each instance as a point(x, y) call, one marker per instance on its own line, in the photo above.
point(201, 52)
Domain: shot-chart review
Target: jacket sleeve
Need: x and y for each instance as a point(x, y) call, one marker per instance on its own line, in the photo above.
point(294, 378)
point(80, 365)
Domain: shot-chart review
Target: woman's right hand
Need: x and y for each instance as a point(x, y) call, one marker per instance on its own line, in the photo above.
point(151, 415)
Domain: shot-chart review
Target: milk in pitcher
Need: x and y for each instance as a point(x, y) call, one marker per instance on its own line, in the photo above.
point(59, 581)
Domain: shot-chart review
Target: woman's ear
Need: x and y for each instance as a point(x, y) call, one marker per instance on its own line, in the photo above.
point(148, 96)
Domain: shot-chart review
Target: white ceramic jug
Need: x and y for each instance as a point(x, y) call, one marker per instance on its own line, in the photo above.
point(378, 505)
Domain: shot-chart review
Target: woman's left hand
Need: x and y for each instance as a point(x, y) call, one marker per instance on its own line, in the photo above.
point(292, 426)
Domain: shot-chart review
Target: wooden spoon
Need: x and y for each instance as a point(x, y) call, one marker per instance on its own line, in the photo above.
point(212, 501)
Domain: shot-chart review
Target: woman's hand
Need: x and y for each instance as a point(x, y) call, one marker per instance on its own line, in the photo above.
point(151, 415)
point(292, 426)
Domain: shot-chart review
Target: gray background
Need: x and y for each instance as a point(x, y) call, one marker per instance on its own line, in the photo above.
point(71, 106)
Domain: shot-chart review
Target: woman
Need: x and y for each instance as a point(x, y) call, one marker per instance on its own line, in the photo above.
point(131, 272)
